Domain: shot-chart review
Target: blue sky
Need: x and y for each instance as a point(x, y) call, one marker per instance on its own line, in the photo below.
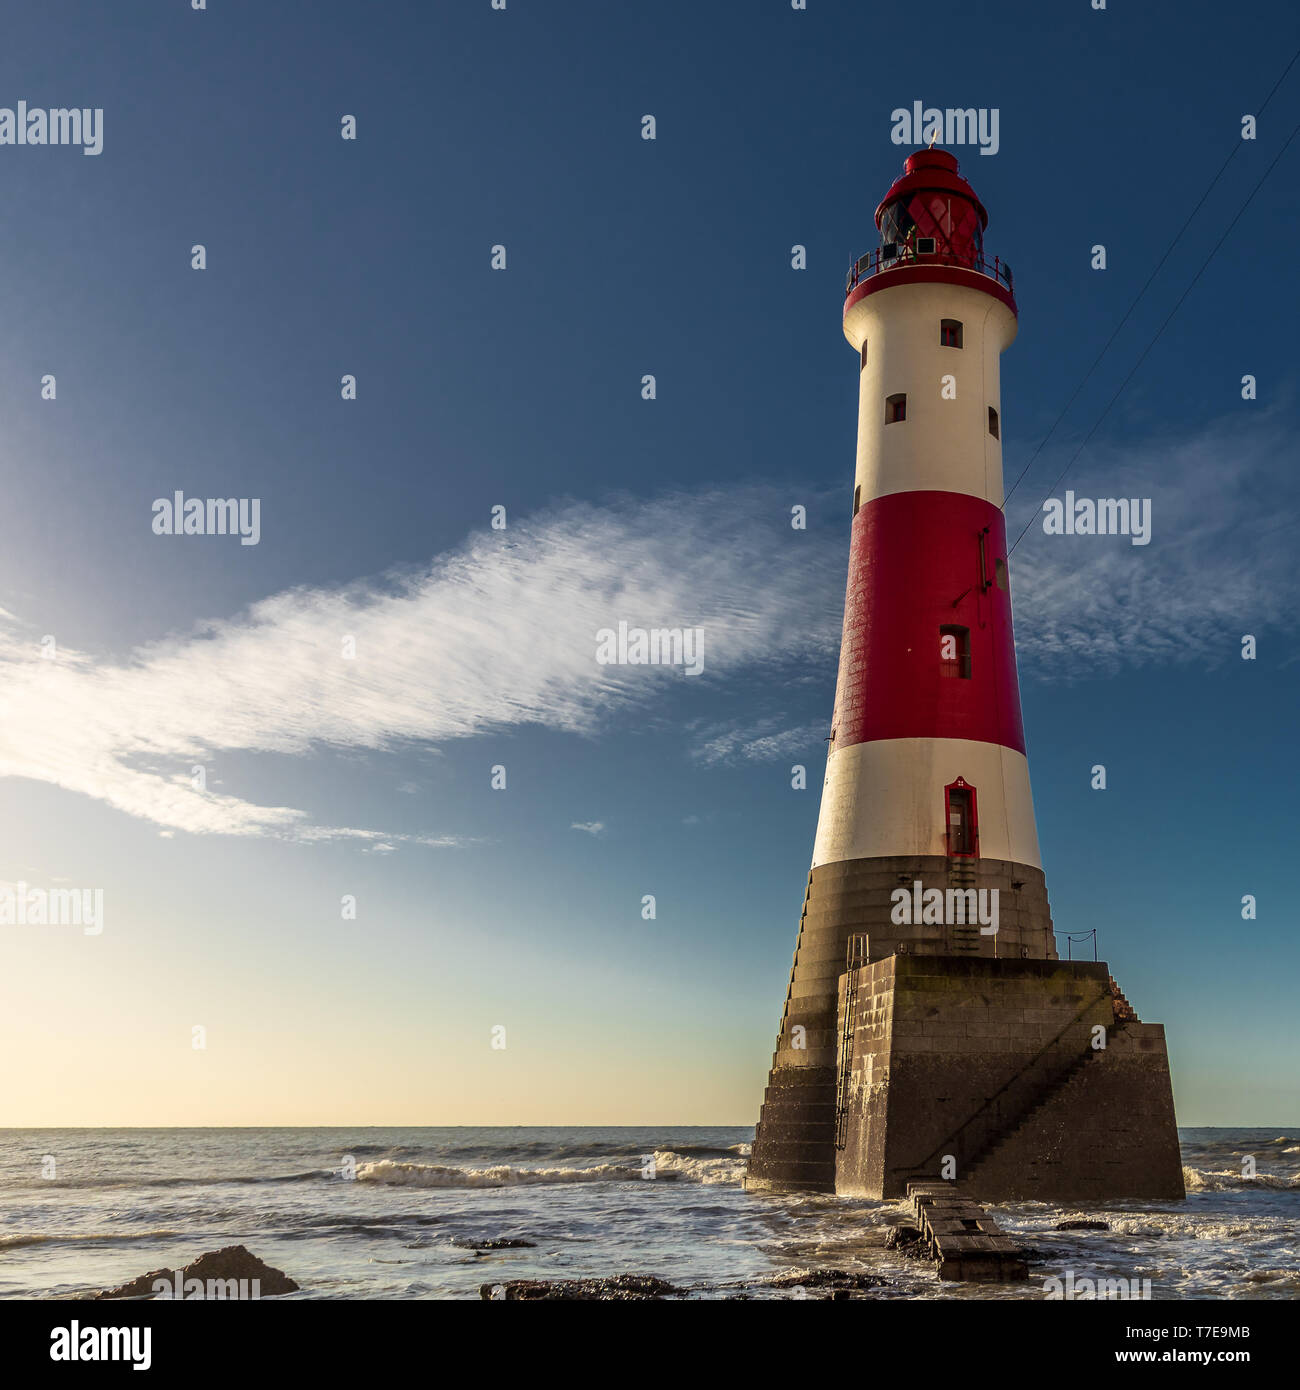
point(522, 388)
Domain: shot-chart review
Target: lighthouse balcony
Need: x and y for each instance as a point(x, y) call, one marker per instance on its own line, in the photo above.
point(926, 251)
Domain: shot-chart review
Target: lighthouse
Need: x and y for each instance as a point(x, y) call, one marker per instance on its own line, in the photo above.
point(930, 1031)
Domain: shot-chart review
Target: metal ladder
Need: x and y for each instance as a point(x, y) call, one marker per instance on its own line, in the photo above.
point(965, 939)
point(855, 955)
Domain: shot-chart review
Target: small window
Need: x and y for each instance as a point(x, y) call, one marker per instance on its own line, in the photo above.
point(993, 423)
point(954, 651)
point(950, 333)
point(1000, 575)
point(895, 408)
point(857, 498)
point(925, 246)
point(864, 354)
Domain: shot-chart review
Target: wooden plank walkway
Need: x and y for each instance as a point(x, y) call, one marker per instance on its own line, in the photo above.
point(963, 1238)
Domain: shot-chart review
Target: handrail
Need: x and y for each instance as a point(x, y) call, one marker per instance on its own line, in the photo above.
point(905, 253)
point(1029, 1065)
point(1072, 937)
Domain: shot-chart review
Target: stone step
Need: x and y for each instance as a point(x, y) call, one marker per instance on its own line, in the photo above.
point(966, 1242)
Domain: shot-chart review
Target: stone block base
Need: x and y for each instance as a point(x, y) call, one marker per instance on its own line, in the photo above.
point(1011, 1078)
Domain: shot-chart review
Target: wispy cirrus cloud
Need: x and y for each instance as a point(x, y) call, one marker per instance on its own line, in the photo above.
point(758, 742)
point(502, 632)
point(1220, 563)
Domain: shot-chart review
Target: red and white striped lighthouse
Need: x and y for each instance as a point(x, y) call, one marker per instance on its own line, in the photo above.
point(927, 783)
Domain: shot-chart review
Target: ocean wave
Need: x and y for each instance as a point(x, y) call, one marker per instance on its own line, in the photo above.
point(732, 1151)
point(16, 1242)
point(500, 1175)
point(692, 1165)
point(721, 1166)
point(93, 1184)
point(1203, 1180)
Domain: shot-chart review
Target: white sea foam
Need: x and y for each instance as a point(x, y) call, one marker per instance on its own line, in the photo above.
point(501, 1175)
point(710, 1171)
point(1207, 1180)
point(668, 1164)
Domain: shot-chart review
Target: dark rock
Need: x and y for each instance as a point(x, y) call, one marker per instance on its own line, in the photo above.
point(1083, 1226)
point(621, 1288)
point(232, 1263)
point(841, 1280)
point(908, 1242)
point(139, 1288)
point(499, 1244)
point(235, 1262)
point(901, 1236)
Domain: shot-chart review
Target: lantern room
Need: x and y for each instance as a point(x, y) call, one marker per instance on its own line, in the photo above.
point(931, 228)
point(932, 210)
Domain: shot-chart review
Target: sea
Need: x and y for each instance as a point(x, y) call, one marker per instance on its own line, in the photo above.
point(396, 1213)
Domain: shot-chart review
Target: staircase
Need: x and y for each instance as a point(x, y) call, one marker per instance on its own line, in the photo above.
point(1002, 1115)
point(1000, 1139)
point(805, 1104)
point(795, 1135)
point(794, 1140)
point(1124, 1011)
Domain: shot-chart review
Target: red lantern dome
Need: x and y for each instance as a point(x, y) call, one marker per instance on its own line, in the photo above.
point(931, 199)
point(931, 228)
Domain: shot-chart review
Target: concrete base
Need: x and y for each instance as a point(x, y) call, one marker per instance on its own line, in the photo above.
point(1011, 1078)
point(794, 1145)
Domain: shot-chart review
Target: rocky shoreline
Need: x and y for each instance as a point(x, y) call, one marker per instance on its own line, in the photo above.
point(235, 1273)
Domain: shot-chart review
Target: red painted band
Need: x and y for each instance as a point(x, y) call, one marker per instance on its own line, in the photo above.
point(931, 274)
point(921, 561)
